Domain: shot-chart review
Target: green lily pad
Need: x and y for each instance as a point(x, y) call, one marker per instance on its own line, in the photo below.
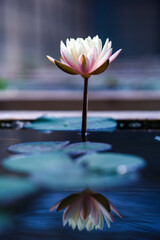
point(72, 124)
point(37, 147)
point(6, 222)
point(12, 188)
point(86, 147)
point(81, 179)
point(54, 162)
point(111, 163)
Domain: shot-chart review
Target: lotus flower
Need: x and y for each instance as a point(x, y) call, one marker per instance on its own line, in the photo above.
point(85, 57)
point(86, 209)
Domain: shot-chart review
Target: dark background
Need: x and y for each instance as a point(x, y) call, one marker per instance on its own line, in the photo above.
point(31, 29)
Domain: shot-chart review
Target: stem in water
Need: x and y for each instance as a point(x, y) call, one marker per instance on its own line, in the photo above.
point(84, 111)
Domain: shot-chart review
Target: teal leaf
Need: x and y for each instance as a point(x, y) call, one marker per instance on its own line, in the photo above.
point(111, 163)
point(55, 162)
point(80, 179)
point(12, 188)
point(72, 124)
point(37, 147)
point(86, 147)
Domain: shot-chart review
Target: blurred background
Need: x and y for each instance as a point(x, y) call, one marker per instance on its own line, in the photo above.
point(32, 29)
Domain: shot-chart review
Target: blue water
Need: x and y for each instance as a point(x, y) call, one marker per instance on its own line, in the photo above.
point(140, 209)
point(137, 201)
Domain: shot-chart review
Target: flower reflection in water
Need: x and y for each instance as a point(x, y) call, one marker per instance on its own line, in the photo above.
point(86, 209)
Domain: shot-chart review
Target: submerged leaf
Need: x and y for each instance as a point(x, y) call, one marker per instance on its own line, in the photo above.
point(74, 179)
point(12, 188)
point(37, 147)
point(86, 147)
point(53, 161)
point(112, 162)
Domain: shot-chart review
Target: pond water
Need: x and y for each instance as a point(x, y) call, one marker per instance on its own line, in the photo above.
point(136, 199)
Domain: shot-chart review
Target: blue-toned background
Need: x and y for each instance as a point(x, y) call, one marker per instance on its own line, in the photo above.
point(32, 29)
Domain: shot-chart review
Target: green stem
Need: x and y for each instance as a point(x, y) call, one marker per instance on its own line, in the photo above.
point(84, 111)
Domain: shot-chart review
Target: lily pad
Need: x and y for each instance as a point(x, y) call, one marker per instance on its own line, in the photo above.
point(157, 138)
point(12, 188)
point(6, 222)
point(37, 147)
point(86, 147)
point(81, 179)
point(72, 124)
point(111, 163)
point(54, 162)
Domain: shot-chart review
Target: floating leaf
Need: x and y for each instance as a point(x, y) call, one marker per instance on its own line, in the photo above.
point(157, 138)
point(37, 147)
point(6, 222)
point(86, 147)
point(74, 180)
point(72, 124)
point(112, 162)
point(14, 187)
point(54, 162)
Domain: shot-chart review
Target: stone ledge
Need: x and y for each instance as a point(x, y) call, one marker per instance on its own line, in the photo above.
point(117, 115)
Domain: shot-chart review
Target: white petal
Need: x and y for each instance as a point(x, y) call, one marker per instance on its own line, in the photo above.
point(71, 46)
point(107, 221)
point(51, 59)
point(73, 51)
point(100, 224)
point(114, 55)
point(98, 44)
point(105, 212)
point(115, 210)
point(72, 224)
point(88, 43)
point(81, 224)
point(104, 50)
point(104, 59)
point(70, 212)
point(92, 56)
point(89, 225)
point(69, 58)
point(75, 217)
point(65, 220)
point(109, 45)
point(62, 44)
point(64, 62)
point(94, 214)
point(67, 43)
point(80, 48)
point(72, 40)
point(100, 62)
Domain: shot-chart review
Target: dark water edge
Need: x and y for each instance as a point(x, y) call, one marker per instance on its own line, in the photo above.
point(138, 202)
